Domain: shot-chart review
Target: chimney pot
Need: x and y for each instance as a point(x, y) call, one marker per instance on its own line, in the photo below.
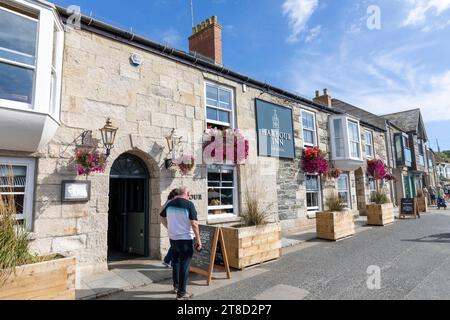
point(317, 93)
point(325, 92)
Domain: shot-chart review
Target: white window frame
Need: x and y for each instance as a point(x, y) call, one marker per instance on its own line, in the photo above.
point(235, 205)
point(48, 22)
point(232, 112)
point(314, 130)
point(372, 148)
point(314, 210)
point(350, 142)
point(348, 190)
point(371, 191)
point(345, 119)
point(30, 164)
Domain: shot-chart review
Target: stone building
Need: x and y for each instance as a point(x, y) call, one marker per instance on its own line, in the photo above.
point(408, 138)
point(374, 141)
point(155, 96)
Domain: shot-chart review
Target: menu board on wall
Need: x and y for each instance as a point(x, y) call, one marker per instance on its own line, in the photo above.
point(275, 128)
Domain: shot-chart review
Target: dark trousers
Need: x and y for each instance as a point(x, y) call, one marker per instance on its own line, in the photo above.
point(441, 203)
point(183, 250)
point(169, 257)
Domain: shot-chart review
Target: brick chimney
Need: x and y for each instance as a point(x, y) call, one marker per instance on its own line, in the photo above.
point(325, 99)
point(206, 39)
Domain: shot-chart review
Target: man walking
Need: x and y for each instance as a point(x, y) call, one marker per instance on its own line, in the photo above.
point(180, 218)
point(441, 198)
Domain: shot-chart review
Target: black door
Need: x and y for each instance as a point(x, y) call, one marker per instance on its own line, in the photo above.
point(128, 209)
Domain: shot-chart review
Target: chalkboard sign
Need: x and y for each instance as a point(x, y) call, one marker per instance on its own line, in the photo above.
point(409, 207)
point(212, 254)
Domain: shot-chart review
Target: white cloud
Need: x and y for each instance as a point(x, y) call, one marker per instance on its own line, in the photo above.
point(382, 81)
point(313, 34)
point(172, 38)
point(299, 12)
point(420, 8)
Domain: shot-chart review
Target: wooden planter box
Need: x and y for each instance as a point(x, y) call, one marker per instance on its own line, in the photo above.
point(50, 280)
point(252, 245)
point(380, 214)
point(422, 203)
point(335, 225)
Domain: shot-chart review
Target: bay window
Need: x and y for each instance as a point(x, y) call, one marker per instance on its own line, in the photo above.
point(17, 182)
point(313, 198)
point(421, 153)
point(309, 129)
point(343, 184)
point(31, 54)
point(345, 142)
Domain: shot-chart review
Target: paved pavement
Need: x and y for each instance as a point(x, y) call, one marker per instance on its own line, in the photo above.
point(413, 257)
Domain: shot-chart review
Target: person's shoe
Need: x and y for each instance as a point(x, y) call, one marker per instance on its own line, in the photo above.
point(186, 296)
point(167, 264)
point(175, 290)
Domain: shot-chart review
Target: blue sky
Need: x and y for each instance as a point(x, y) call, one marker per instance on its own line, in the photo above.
point(306, 45)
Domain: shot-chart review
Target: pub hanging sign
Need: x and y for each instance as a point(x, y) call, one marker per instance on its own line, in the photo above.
point(275, 130)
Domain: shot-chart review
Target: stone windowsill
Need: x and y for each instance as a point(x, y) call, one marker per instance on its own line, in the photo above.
point(222, 219)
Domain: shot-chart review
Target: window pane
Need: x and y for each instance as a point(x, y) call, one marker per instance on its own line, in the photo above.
point(355, 149)
point(16, 83)
point(369, 151)
point(308, 137)
point(353, 131)
point(308, 121)
point(312, 183)
point(225, 99)
point(312, 200)
point(17, 38)
point(343, 183)
point(211, 114)
point(212, 96)
point(368, 138)
point(224, 116)
point(343, 195)
point(227, 197)
point(339, 143)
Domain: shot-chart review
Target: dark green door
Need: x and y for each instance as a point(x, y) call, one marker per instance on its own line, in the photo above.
point(406, 183)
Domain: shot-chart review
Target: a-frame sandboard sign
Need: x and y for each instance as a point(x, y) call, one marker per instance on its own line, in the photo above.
point(214, 253)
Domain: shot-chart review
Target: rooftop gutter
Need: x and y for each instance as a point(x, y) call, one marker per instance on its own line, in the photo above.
point(117, 34)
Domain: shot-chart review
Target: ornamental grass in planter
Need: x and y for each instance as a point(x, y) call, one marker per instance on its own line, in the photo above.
point(256, 239)
point(381, 211)
point(24, 276)
point(336, 223)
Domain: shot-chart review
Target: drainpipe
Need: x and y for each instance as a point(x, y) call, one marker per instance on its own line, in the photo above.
point(390, 155)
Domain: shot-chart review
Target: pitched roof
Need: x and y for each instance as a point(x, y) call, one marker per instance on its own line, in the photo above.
point(367, 117)
point(408, 121)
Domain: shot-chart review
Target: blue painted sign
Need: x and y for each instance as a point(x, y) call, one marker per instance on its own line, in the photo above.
point(275, 130)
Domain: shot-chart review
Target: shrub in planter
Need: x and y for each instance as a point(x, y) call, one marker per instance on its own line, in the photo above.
point(24, 275)
point(256, 240)
point(381, 211)
point(336, 223)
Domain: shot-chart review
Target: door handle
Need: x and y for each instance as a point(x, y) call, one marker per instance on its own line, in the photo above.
point(142, 233)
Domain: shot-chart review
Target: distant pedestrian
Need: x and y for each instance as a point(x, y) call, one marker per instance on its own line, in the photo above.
point(441, 198)
point(180, 218)
point(175, 193)
point(432, 193)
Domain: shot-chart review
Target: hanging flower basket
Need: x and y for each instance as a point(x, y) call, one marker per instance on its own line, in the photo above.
point(377, 170)
point(334, 173)
point(314, 162)
point(234, 148)
point(89, 160)
point(185, 164)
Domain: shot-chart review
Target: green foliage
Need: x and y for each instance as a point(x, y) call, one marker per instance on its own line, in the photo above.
point(380, 198)
point(254, 214)
point(14, 243)
point(334, 203)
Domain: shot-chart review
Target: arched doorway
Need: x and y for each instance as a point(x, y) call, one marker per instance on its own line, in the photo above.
point(128, 218)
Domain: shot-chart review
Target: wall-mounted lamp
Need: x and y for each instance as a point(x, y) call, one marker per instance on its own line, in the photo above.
point(108, 136)
point(173, 140)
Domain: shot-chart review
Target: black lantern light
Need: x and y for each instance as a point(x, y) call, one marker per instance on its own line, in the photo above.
point(173, 140)
point(108, 136)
